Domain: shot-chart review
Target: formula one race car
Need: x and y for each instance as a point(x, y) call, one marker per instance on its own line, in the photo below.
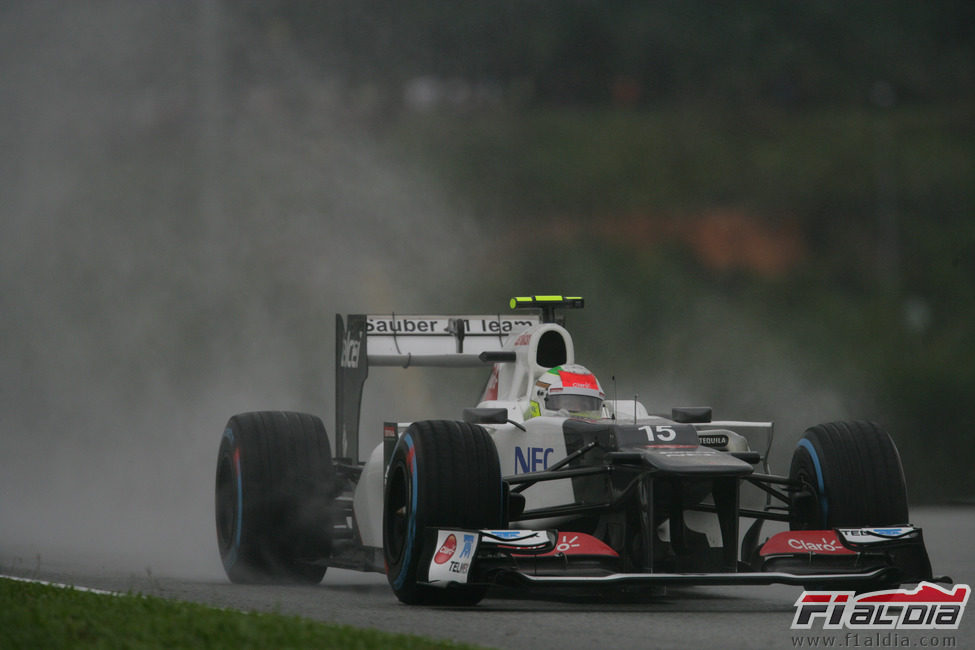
point(546, 484)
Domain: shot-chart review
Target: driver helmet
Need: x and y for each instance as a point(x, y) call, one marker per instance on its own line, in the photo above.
point(569, 390)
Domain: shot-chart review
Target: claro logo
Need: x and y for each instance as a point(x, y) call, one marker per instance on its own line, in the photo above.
point(813, 542)
point(350, 351)
point(822, 545)
point(446, 550)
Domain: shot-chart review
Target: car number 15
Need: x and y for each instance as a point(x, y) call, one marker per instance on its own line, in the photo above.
point(659, 433)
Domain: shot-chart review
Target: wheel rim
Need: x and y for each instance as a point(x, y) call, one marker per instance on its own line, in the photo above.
point(809, 501)
point(397, 514)
point(227, 514)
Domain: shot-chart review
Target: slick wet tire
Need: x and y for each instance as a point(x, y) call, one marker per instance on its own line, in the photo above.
point(275, 486)
point(441, 474)
point(851, 476)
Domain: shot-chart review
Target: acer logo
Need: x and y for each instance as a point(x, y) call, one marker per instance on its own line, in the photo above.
point(350, 351)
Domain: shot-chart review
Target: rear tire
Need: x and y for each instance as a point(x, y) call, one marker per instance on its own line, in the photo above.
point(442, 474)
point(275, 485)
point(852, 476)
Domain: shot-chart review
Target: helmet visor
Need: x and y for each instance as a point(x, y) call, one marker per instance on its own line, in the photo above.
point(586, 406)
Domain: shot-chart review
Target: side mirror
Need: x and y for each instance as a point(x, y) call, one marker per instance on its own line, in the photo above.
point(489, 416)
point(486, 416)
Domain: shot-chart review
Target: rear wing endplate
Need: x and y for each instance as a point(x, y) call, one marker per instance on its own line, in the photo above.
point(364, 340)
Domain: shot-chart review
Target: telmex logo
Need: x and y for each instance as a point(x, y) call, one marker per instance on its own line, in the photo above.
point(505, 534)
point(926, 607)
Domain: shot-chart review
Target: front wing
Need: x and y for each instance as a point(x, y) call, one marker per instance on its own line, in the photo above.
point(842, 558)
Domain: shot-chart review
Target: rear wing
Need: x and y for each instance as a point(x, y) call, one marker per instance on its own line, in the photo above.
point(364, 340)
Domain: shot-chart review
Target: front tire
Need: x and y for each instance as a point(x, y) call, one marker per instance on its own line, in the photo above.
point(441, 474)
point(275, 485)
point(851, 475)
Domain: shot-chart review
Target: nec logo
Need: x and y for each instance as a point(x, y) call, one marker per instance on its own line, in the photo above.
point(532, 459)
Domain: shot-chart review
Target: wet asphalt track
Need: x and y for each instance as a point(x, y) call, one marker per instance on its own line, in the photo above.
point(698, 617)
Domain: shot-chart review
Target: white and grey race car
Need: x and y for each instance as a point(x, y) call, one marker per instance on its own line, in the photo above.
point(526, 493)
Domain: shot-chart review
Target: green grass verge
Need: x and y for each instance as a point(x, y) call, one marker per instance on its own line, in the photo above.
point(43, 616)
